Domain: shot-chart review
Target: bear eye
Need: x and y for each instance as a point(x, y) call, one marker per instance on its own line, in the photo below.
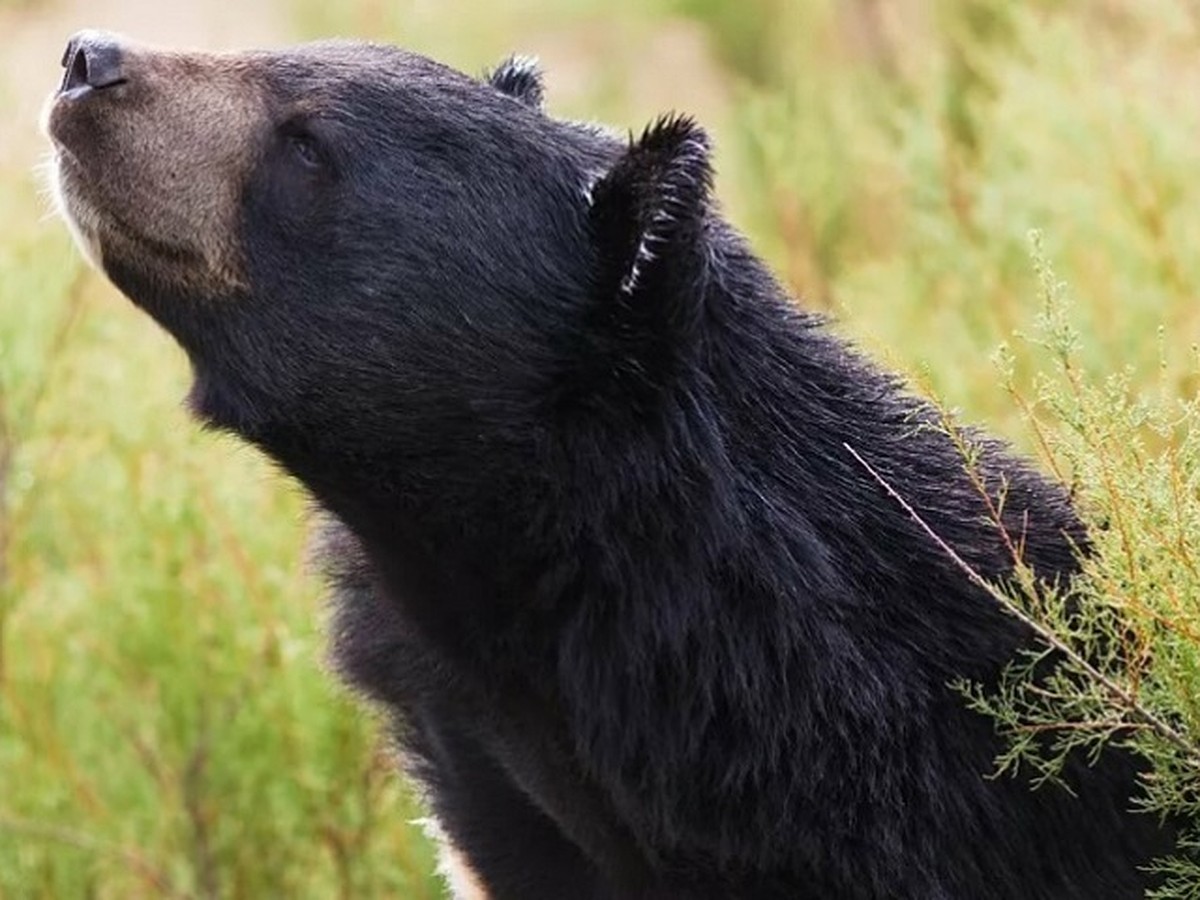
point(304, 148)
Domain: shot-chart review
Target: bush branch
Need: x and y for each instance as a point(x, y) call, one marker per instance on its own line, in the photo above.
point(1124, 698)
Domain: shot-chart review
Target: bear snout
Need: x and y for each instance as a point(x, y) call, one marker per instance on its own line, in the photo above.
point(93, 62)
point(151, 148)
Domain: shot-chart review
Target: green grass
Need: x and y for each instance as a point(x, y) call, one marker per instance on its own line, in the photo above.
point(166, 724)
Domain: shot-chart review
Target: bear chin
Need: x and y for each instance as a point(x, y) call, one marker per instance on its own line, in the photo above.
point(82, 220)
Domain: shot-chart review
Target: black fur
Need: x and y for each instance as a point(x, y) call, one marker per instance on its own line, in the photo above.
point(520, 77)
point(645, 628)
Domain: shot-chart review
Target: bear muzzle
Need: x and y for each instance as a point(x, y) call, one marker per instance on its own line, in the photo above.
point(150, 149)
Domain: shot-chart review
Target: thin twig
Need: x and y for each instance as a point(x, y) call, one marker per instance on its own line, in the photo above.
point(81, 841)
point(1131, 703)
point(203, 859)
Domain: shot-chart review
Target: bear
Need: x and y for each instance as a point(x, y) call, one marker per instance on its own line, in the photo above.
point(601, 519)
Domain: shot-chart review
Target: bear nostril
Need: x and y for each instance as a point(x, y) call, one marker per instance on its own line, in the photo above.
point(69, 53)
point(77, 72)
point(92, 60)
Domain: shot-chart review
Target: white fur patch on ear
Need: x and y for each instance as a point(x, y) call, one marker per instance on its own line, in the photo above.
point(589, 186)
point(460, 878)
point(643, 256)
point(523, 66)
point(648, 210)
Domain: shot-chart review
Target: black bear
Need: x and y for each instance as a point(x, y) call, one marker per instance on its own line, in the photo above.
point(645, 626)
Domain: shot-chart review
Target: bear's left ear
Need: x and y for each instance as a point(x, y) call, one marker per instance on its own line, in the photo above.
point(521, 78)
point(648, 219)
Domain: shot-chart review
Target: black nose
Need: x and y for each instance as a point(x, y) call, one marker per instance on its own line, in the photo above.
point(93, 61)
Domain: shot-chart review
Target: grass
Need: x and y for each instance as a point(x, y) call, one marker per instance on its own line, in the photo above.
point(166, 725)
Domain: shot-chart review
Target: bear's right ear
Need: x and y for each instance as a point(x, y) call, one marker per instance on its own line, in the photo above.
point(521, 78)
point(648, 218)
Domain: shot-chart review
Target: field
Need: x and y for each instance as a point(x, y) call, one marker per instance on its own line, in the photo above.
point(167, 724)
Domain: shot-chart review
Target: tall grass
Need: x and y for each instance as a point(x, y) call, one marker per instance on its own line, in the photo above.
point(166, 727)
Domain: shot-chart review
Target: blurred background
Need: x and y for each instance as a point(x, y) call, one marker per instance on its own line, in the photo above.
point(167, 724)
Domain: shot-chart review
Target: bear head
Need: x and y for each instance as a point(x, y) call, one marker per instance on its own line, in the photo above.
point(372, 259)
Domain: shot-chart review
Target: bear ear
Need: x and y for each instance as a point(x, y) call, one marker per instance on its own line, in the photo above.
point(521, 78)
point(648, 216)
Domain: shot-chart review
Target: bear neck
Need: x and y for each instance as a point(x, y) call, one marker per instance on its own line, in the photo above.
point(495, 484)
point(399, 467)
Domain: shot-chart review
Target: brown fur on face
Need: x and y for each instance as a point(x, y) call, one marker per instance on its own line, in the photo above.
point(150, 171)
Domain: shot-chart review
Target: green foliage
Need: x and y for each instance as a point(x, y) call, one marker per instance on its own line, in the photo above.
point(892, 177)
point(1120, 660)
point(165, 724)
point(752, 37)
